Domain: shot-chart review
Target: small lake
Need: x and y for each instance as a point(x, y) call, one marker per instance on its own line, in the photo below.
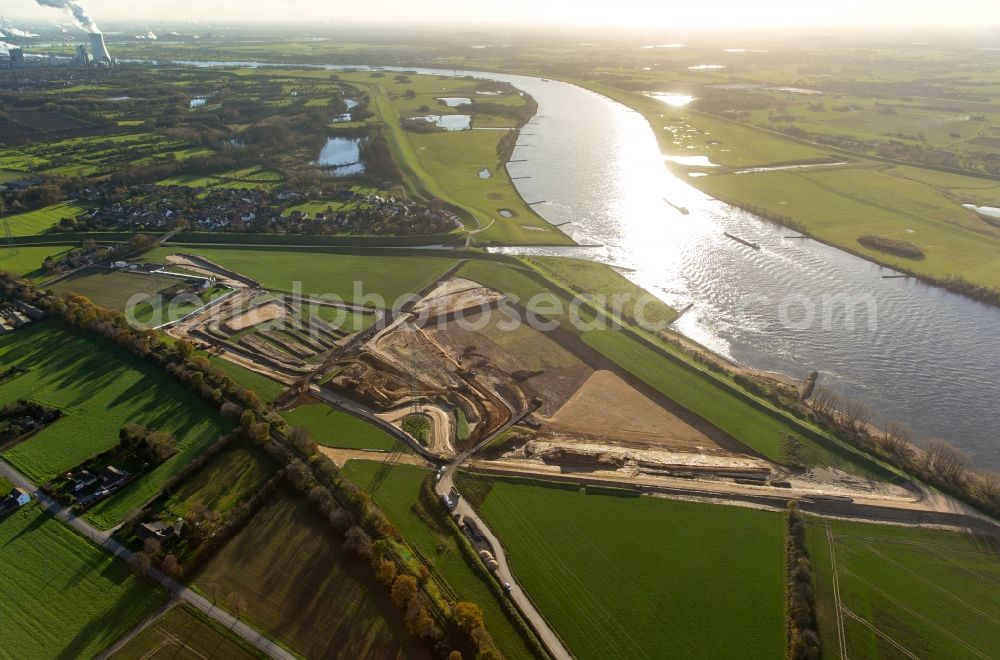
point(505, 213)
point(455, 101)
point(449, 122)
point(343, 155)
point(670, 98)
point(991, 211)
point(706, 67)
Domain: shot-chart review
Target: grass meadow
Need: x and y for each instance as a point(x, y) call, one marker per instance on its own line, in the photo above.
point(335, 428)
point(641, 577)
point(904, 591)
point(27, 261)
point(99, 388)
point(225, 480)
point(322, 272)
point(62, 596)
point(114, 288)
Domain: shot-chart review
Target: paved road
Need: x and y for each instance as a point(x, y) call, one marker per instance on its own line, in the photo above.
point(545, 633)
point(177, 590)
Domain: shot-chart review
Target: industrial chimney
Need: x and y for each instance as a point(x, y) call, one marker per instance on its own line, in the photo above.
point(98, 50)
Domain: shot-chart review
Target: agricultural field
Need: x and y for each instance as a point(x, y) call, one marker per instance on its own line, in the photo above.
point(114, 289)
point(396, 493)
point(302, 586)
point(63, 597)
point(245, 178)
point(335, 428)
point(42, 220)
point(324, 273)
point(711, 576)
point(904, 591)
point(224, 481)
point(183, 633)
point(27, 261)
point(99, 388)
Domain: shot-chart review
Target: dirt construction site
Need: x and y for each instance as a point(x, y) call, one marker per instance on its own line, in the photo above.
point(536, 402)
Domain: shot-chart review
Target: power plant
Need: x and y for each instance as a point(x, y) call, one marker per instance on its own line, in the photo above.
point(98, 51)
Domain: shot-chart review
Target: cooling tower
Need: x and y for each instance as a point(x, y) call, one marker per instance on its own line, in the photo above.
point(98, 50)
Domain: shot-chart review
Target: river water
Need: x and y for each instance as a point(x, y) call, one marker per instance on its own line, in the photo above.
point(914, 353)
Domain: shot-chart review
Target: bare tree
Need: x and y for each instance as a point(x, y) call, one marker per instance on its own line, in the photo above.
point(856, 415)
point(139, 563)
point(825, 401)
point(897, 439)
point(946, 461)
point(236, 604)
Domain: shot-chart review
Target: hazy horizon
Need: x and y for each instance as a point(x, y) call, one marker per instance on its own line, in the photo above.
point(643, 15)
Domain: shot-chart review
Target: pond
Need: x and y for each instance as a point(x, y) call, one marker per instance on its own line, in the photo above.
point(706, 67)
point(455, 101)
point(342, 155)
point(484, 174)
point(991, 211)
point(449, 122)
point(198, 102)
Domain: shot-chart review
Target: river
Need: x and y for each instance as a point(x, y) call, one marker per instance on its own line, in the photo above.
point(914, 353)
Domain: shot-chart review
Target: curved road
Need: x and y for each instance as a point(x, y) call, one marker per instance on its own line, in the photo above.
point(178, 591)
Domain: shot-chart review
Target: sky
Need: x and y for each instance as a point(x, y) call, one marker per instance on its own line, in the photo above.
point(648, 14)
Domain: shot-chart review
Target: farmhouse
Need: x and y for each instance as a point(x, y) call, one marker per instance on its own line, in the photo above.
point(161, 530)
point(17, 498)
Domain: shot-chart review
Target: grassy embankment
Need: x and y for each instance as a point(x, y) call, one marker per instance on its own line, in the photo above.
point(334, 428)
point(99, 388)
point(184, 632)
point(643, 577)
point(63, 597)
point(301, 585)
point(931, 592)
point(396, 495)
point(446, 165)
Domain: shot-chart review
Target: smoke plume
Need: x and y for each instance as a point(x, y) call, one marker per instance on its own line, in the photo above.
point(76, 11)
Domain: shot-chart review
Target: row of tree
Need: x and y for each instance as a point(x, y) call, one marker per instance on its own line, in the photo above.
point(934, 461)
point(803, 635)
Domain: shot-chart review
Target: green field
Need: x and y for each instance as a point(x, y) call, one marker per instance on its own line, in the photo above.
point(395, 495)
point(27, 261)
point(641, 577)
point(63, 597)
point(42, 220)
point(335, 428)
point(305, 589)
point(228, 478)
point(840, 204)
point(99, 388)
point(930, 592)
point(263, 386)
point(183, 633)
point(114, 288)
point(322, 273)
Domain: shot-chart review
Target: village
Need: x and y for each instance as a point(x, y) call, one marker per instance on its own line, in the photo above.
point(255, 210)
